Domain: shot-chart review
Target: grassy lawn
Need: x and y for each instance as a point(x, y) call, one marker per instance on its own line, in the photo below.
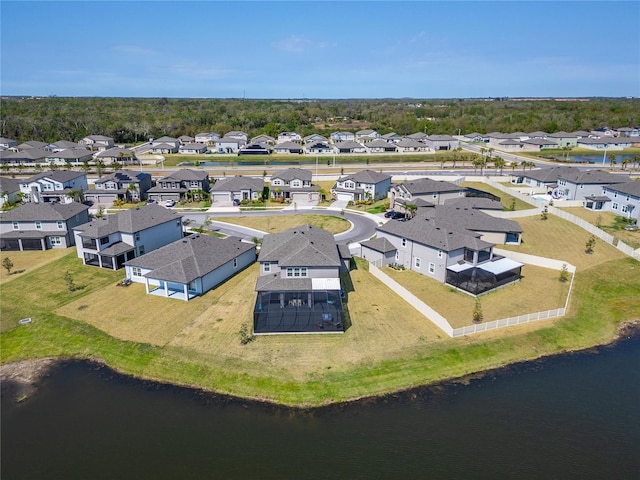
point(608, 223)
point(562, 240)
point(525, 296)
point(505, 198)
point(25, 262)
point(280, 223)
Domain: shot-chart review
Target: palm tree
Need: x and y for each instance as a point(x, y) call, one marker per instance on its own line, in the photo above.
point(411, 209)
point(499, 163)
point(612, 159)
point(99, 167)
point(513, 166)
point(625, 161)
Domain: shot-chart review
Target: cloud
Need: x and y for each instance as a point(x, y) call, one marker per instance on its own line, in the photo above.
point(298, 44)
point(134, 50)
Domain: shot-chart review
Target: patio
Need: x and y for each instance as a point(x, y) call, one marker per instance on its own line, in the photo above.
point(483, 277)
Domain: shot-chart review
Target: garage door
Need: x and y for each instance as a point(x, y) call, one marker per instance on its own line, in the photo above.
point(220, 197)
point(344, 197)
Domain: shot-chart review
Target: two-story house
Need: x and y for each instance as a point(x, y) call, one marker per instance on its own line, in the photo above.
point(233, 190)
point(165, 145)
point(544, 180)
point(110, 241)
point(337, 137)
point(190, 266)
point(294, 184)
point(434, 192)
point(238, 135)
point(184, 183)
point(97, 142)
point(582, 184)
point(228, 145)
point(207, 138)
point(61, 186)
point(620, 198)
point(444, 251)
point(289, 137)
point(363, 185)
point(121, 185)
point(40, 226)
point(299, 287)
point(366, 135)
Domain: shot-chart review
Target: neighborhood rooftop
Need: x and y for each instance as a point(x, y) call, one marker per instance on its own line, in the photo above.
point(128, 221)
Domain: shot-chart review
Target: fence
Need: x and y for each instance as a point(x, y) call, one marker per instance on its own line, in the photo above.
point(442, 323)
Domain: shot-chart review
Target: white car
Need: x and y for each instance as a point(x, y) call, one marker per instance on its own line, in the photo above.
point(170, 203)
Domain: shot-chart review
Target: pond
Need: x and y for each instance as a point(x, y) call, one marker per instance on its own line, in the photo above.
point(574, 416)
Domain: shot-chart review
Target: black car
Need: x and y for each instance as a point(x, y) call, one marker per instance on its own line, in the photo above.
point(397, 216)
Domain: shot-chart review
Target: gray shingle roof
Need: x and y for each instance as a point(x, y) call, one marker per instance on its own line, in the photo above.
point(366, 176)
point(423, 186)
point(43, 211)
point(62, 176)
point(123, 176)
point(288, 146)
point(185, 174)
point(115, 152)
point(593, 177)
point(237, 183)
point(128, 221)
point(550, 175)
point(380, 143)
point(381, 245)
point(274, 282)
point(628, 188)
point(441, 138)
point(479, 203)
point(349, 144)
point(462, 218)
point(428, 232)
point(292, 174)
point(9, 185)
point(190, 258)
point(303, 246)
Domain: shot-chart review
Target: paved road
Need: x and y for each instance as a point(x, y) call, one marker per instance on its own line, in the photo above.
point(363, 226)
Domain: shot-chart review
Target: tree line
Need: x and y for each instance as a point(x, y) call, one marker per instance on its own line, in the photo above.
point(133, 120)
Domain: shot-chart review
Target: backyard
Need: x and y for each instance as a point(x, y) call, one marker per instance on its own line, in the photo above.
point(280, 223)
point(609, 222)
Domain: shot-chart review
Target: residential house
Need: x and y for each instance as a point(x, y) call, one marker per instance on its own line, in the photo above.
point(380, 146)
point(193, 148)
point(563, 139)
point(123, 156)
point(30, 144)
point(294, 184)
point(446, 251)
point(40, 226)
point(190, 266)
point(207, 138)
point(314, 137)
point(606, 143)
point(238, 135)
point(319, 148)
point(391, 137)
point(97, 142)
point(621, 199)
point(186, 139)
point(337, 137)
point(544, 180)
point(73, 156)
point(441, 142)
point(7, 143)
point(350, 147)
point(379, 251)
point(228, 145)
point(363, 185)
point(364, 136)
point(407, 145)
point(288, 147)
point(230, 190)
point(165, 145)
point(64, 145)
point(30, 156)
point(299, 289)
point(121, 185)
point(63, 186)
point(177, 186)
point(435, 192)
point(582, 184)
point(111, 241)
point(255, 148)
point(476, 137)
point(628, 132)
point(264, 139)
point(9, 190)
point(289, 137)
point(418, 136)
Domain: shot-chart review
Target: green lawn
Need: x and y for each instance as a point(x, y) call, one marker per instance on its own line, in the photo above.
point(280, 223)
point(609, 222)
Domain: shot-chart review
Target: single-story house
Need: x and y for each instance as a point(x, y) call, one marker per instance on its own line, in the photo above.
point(229, 189)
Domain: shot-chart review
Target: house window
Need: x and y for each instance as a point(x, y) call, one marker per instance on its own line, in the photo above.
point(104, 240)
point(397, 256)
point(432, 267)
point(60, 224)
point(137, 236)
point(141, 249)
point(404, 242)
point(55, 241)
point(296, 271)
point(136, 272)
point(417, 262)
point(435, 195)
point(581, 186)
point(235, 262)
point(440, 253)
point(614, 206)
point(625, 208)
point(16, 226)
point(266, 267)
point(38, 225)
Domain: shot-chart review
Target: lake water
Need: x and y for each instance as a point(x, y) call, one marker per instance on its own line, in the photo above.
point(570, 417)
point(597, 158)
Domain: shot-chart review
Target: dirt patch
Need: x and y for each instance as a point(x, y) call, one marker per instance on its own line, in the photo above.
point(19, 379)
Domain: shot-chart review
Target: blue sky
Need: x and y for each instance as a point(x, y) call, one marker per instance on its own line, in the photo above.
point(363, 49)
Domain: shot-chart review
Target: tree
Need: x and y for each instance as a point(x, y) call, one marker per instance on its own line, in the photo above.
point(499, 163)
point(591, 243)
point(68, 279)
point(100, 212)
point(545, 213)
point(8, 264)
point(478, 316)
point(116, 166)
point(513, 166)
point(612, 159)
point(99, 167)
point(512, 205)
point(85, 166)
point(410, 209)
point(564, 273)
point(625, 161)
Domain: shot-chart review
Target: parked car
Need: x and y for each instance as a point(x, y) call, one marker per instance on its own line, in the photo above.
point(151, 200)
point(395, 215)
point(170, 203)
point(236, 202)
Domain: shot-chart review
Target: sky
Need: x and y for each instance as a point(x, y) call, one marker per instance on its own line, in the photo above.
point(327, 49)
